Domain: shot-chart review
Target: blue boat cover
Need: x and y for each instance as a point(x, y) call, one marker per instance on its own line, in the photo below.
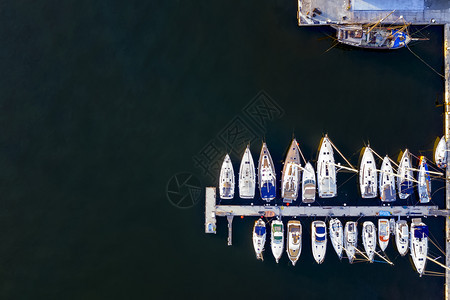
point(406, 187)
point(384, 213)
point(421, 231)
point(398, 37)
point(320, 230)
point(268, 190)
point(260, 230)
point(320, 238)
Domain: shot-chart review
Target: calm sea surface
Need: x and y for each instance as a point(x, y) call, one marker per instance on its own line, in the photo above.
point(103, 103)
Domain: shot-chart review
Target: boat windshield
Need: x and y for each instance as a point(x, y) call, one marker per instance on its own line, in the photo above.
point(320, 230)
point(320, 238)
point(277, 228)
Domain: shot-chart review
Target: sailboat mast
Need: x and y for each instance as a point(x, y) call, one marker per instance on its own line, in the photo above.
point(376, 24)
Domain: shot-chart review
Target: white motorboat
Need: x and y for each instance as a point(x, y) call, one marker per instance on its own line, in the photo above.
point(424, 185)
point(440, 154)
point(226, 179)
point(337, 236)
point(291, 174)
point(277, 239)
point(383, 233)
point(294, 240)
point(319, 240)
point(368, 175)
point(326, 170)
point(350, 239)
point(308, 184)
point(267, 175)
point(387, 181)
point(401, 236)
point(419, 244)
point(369, 237)
point(259, 238)
point(247, 176)
point(405, 176)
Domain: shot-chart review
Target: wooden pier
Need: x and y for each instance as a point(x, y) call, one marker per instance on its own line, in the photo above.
point(447, 138)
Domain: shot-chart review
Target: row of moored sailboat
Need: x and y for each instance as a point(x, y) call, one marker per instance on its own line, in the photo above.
point(298, 180)
point(345, 239)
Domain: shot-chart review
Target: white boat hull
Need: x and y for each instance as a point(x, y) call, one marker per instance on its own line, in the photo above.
point(326, 170)
point(440, 154)
point(337, 236)
point(319, 240)
point(419, 245)
point(247, 176)
point(259, 238)
point(266, 175)
point(277, 239)
point(387, 181)
point(405, 176)
point(226, 179)
point(294, 241)
point(401, 237)
point(291, 174)
point(424, 185)
point(383, 233)
point(350, 240)
point(368, 175)
point(308, 184)
point(369, 237)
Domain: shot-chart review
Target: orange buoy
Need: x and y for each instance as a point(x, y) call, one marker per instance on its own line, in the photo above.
point(242, 217)
point(287, 204)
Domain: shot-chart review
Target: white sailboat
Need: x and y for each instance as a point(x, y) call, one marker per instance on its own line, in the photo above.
point(247, 176)
point(326, 170)
point(369, 237)
point(319, 240)
point(267, 175)
point(401, 236)
point(291, 174)
point(424, 185)
point(383, 233)
point(308, 184)
point(259, 238)
point(419, 244)
point(337, 236)
point(405, 176)
point(440, 154)
point(226, 179)
point(294, 240)
point(387, 181)
point(368, 175)
point(277, 239)
point(350, 239)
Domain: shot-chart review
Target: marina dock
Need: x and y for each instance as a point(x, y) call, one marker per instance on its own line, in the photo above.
point(328, 12)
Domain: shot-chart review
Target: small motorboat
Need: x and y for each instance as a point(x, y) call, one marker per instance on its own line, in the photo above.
point(368, 175)
point(424, 179)
point(291, 174)
point(401, 236)
point(440, 154)
point(350, 239)
point(383, 233)
point(247, 176)
point(405, 176)
point(259, 238)
point(369, 237)
point(326, 170)
point(419, 244)
point(277, 239)
point(337, 236)
point(308, 184)
point(226, 179)
point(387, 181)
point(319, 240)
point(294, 240)
point(267, 175)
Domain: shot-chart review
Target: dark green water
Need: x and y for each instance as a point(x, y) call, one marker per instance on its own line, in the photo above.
point(102, 103)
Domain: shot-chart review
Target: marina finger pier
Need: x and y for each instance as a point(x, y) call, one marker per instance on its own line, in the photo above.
point(355, 22)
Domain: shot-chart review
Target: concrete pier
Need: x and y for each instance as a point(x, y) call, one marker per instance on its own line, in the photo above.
point(323, 12)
